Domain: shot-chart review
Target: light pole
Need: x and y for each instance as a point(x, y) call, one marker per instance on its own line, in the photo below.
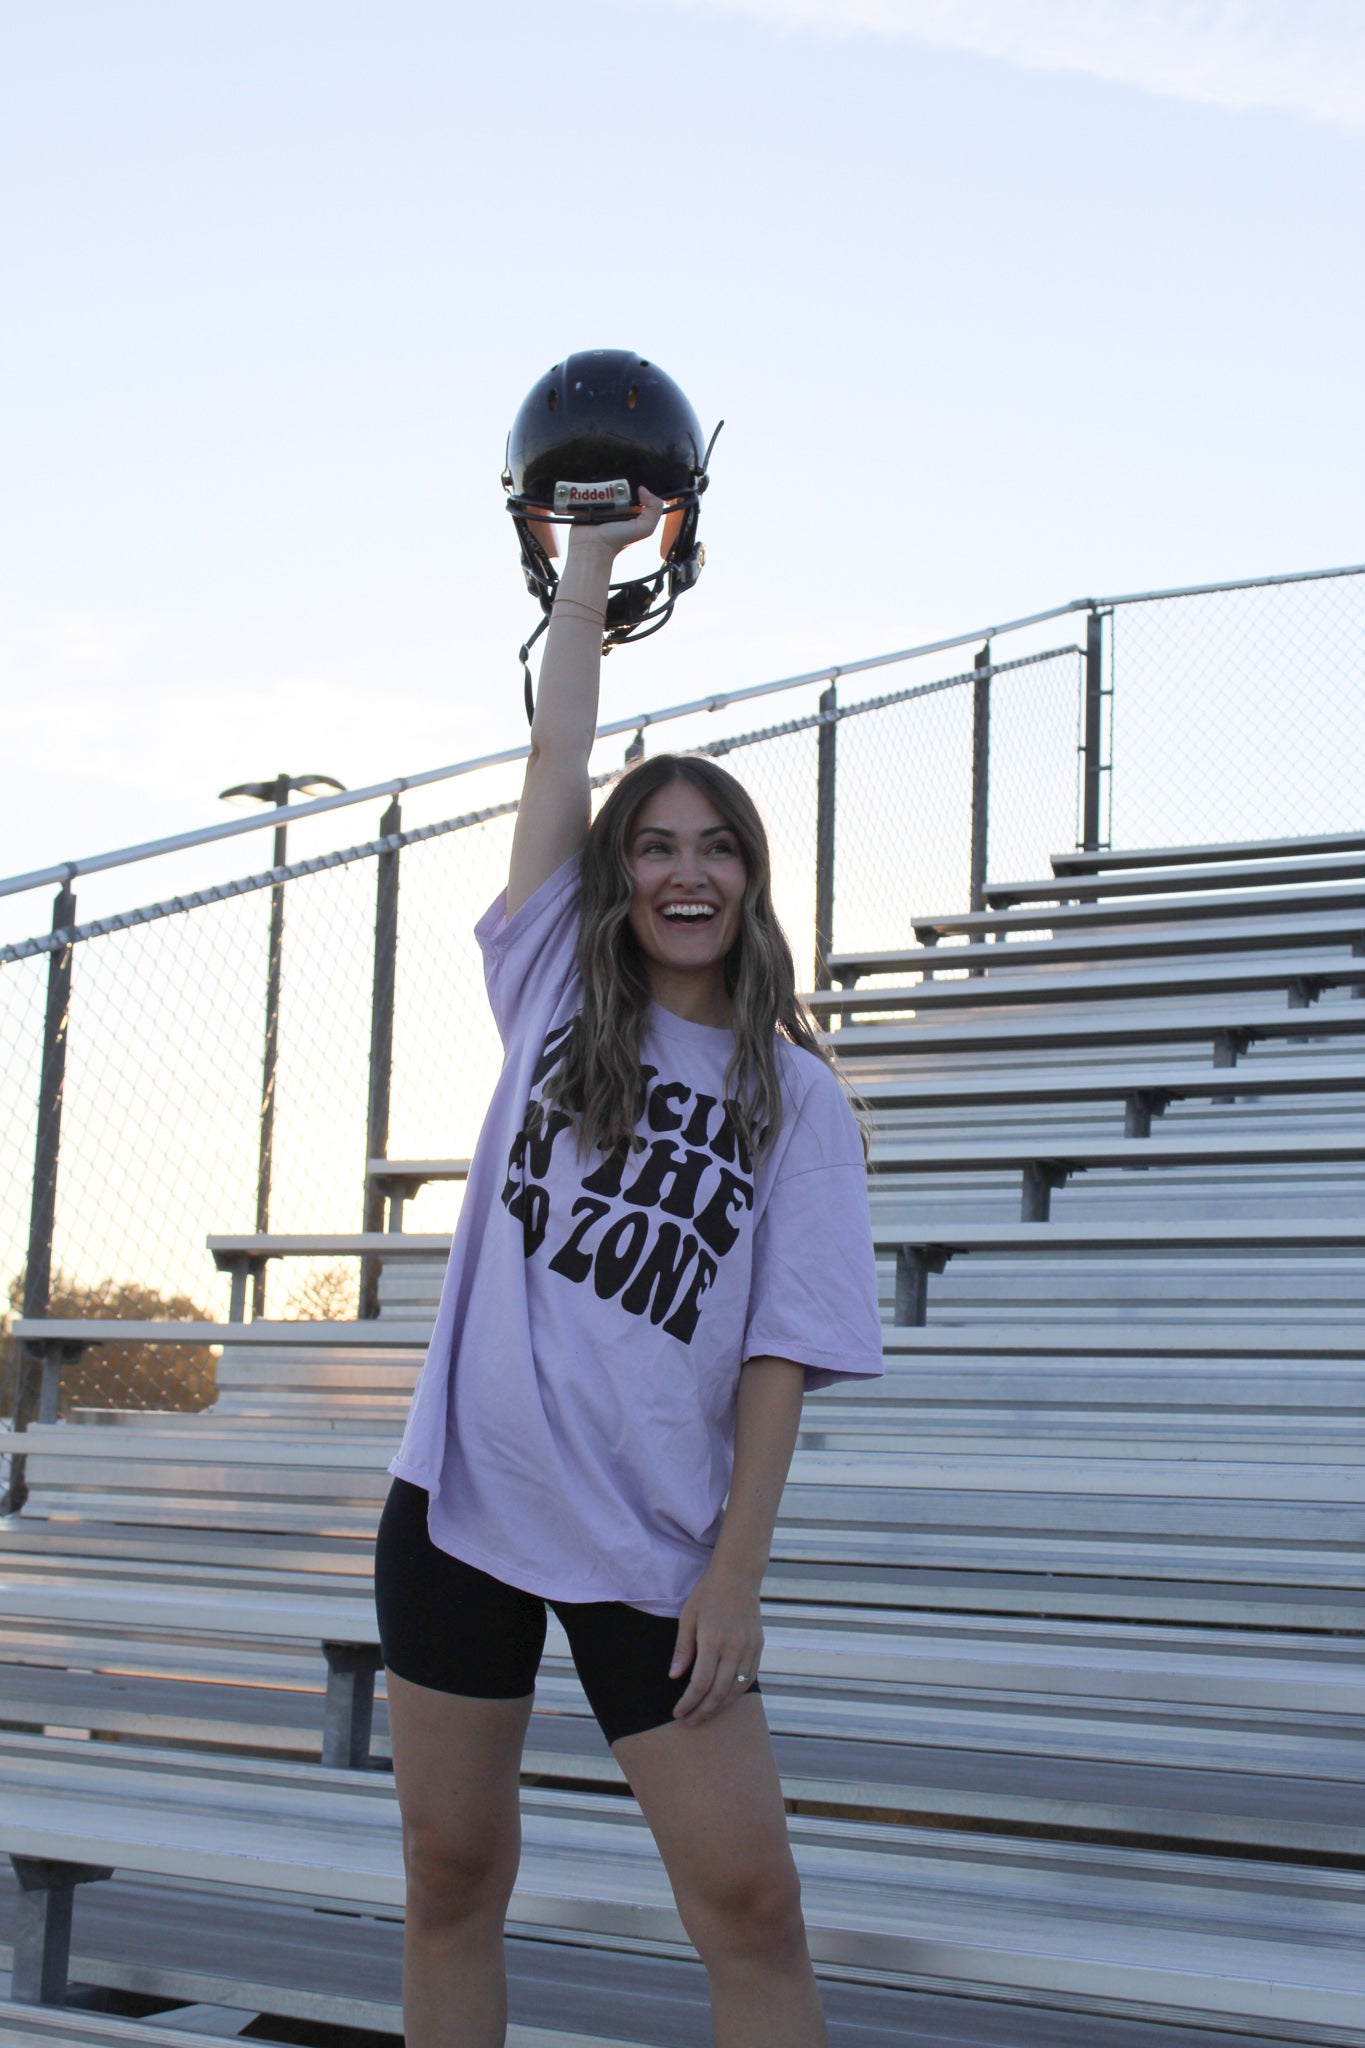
point(275, 792)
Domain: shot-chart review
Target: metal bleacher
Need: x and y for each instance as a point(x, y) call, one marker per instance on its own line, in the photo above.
point(1064, 1615)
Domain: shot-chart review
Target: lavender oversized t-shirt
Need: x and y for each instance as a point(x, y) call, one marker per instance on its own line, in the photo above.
point(574, 1419)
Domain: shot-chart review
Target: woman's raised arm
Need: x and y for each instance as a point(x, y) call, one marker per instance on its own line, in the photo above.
point(555, 811)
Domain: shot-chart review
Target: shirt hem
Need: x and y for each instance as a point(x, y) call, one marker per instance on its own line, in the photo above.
point(795, 1352)
point(669, 1606)
point(416, 1475)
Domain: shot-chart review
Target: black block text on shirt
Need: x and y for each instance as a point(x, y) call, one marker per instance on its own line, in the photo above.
point(649, 1226)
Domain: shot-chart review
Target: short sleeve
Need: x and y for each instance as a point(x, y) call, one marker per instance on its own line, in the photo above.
point(813, 1294)
point(529, 959)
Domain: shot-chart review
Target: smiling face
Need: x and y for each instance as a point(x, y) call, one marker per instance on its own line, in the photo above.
point(688, 872)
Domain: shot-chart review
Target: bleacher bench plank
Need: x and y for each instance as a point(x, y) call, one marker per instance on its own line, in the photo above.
point(377, 1335)
point(1252, 1234)
point(1066, 1087)
point(1319, 1234)
point(1227, 1032)
point(1170, 943)
point(347, 1971)
point(1265, 1741)
point(1257, 1337)
point(1153, 1085)
point(400, 1169)
point(1185, 1932)
point(1023, 1575)
point(389, 1244)
point(1310, 972)
point(331, 1971)
point(1085, 861)
point(1061, 915)
point(1197, 1799)
point(1315, 871)
point(1054, 1657)
point(244, 1467)
point(1115, 1154)
point(40, 2026)
point(1228, 1544)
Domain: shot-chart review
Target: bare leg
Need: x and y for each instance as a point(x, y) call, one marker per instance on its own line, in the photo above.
point(456, 1765)
point(712, 1796)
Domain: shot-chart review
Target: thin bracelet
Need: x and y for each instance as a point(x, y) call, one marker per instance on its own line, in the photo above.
point(576, 604)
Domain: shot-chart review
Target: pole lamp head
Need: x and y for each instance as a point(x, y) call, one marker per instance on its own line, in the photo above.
point(277, 791)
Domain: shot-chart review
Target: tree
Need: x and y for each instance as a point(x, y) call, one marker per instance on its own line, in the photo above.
point(182, 1378)
point(326, 1294)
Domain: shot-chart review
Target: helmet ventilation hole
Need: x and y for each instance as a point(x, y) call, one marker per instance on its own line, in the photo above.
point(631, 397)
point(554, 399)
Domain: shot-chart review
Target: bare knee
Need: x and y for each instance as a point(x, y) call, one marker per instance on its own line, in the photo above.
point(458, 1877)
point(752, 1914)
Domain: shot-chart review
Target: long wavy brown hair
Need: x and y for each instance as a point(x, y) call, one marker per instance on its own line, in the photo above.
point(598, 1080)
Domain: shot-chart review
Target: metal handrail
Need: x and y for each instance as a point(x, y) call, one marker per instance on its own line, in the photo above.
point(1212, 589)
point(64, 936)
point(66, 871)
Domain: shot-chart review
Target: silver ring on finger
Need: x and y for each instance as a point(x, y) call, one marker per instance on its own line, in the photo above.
point(740, 1678)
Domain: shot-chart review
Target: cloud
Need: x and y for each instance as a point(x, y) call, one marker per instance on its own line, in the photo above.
point(1301, 56)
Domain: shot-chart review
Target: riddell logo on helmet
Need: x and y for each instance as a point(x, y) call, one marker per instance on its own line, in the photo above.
point(569, 496)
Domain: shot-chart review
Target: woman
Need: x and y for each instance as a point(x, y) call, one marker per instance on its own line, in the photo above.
point(664, 1240)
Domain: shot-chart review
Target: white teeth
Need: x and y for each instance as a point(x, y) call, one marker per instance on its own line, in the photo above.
point(689, 913)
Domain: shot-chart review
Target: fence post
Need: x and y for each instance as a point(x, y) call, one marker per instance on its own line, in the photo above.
point(271, 1057)
point(981, 774)
point(826, 739)
point(43, 1205)
point(1091, 765)
point(381, 1047)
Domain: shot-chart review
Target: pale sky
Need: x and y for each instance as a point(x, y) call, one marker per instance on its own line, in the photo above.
point(1003, 301)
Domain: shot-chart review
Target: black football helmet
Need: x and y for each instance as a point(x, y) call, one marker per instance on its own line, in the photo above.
point(587, 436)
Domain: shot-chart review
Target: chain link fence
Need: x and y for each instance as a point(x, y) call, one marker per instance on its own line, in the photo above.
point(904, 811)
point(161, 1099)
point(1239, 713)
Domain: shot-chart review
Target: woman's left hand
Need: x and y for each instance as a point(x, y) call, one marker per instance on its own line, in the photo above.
point(720, 1634)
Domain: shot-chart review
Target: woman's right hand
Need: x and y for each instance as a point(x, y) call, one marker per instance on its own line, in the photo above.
point(613, 535)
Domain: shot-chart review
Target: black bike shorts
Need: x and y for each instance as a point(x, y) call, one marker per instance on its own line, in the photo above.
point(447, 1625)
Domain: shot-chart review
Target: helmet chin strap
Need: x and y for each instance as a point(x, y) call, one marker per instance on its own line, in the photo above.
point(523, 654)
